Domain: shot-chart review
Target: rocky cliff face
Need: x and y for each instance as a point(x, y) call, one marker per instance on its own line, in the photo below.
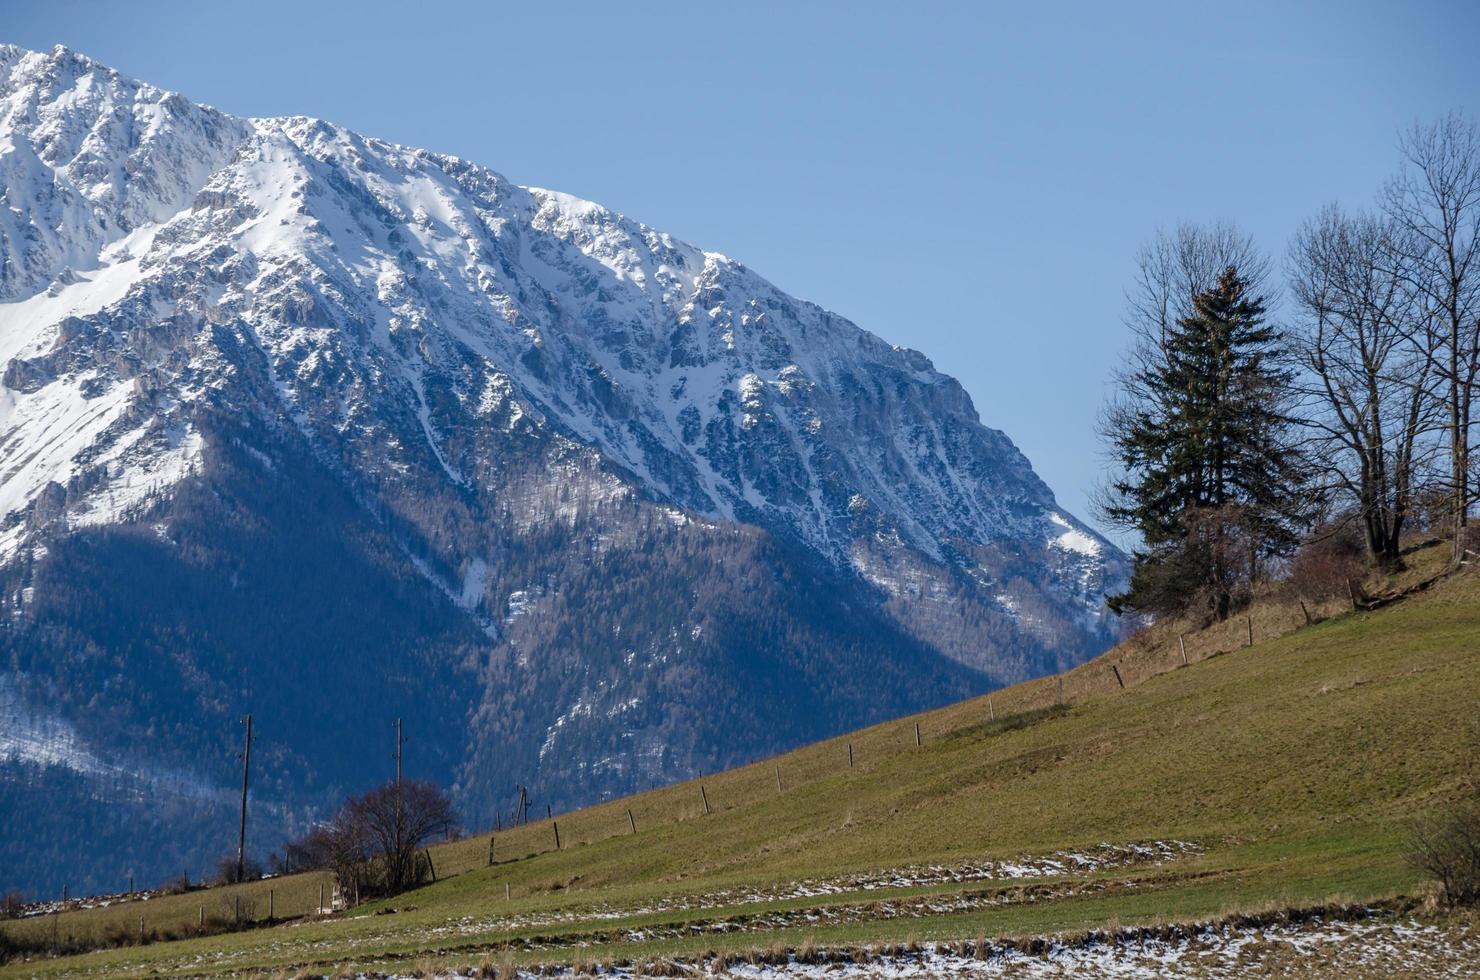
point(300, 422)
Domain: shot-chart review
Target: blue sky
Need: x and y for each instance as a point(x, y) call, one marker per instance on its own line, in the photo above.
point(970, 179)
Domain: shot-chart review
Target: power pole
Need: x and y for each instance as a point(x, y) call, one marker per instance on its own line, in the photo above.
point(400, 817)
point(241, 837)
point(400, 741)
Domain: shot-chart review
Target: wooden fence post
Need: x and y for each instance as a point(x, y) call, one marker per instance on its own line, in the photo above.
point(1305, 611)
point(272, 910)
point(991, 711)
point(506, 891)
point(630, 822)
point(321, 898)
point(705, 797)
point(490, 849)
point(556, 825)
point(141, 930)
point(1061, 690)
point(778, 779)
point(200, 911)
point(1117, 676)
point(237, 903)
point(1182, 642)
point(1249, 620)
point(917, 734)
point(850, 755)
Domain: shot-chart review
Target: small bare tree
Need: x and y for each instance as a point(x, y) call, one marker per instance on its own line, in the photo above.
point(399, 819)
point(1368, 352)
point(1446, 843)
point(374, 843)
point(1435, 200)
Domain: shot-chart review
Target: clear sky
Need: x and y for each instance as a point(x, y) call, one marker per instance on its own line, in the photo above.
point(968, 179)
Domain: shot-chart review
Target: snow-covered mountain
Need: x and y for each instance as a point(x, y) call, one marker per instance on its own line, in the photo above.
point(616, 505)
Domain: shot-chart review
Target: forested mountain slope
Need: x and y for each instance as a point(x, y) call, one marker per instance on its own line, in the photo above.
point(300, 423)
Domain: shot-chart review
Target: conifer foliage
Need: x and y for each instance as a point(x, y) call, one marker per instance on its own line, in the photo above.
point(1208, 473)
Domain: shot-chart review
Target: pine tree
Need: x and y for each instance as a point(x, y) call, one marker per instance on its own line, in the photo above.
point(1211, 481)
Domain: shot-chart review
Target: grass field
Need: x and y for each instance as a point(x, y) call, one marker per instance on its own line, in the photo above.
point(1277, 774)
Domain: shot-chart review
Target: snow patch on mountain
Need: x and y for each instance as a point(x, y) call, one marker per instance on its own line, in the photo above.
point(31, 736)
point(1074, 538)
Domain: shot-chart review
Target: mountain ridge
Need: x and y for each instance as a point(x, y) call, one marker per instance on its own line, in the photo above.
point(219, 329)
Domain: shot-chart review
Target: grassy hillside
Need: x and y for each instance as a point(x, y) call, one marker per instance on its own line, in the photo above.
point(1281, 773)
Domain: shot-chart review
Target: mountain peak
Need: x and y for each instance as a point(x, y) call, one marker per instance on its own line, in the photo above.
point(508, 402)
point(677, 363)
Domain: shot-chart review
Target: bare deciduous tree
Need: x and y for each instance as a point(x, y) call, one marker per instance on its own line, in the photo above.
point(1176, 266)
point(1368, 350)
point(373, 845)
point(1436, 201)
point(397, 820)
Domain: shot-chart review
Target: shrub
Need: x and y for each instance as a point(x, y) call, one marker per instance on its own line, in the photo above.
point(228, 872)
point(1446, 845)
point(1331, 557)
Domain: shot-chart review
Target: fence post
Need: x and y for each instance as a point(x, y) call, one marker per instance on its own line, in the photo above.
point(917, 734)
point(237, 910)
point(705, 797)
point(630, 822)
point(321, 898)
point(850, 755)
point(200, 912)
point(141, 930)
point(1182, 642)
point(1061, 690)
point(506, 891)
point(490, 849)
point(991, 711)
point(271, 909)
point(556, 825)
point(1117, 676)
point(778, 779)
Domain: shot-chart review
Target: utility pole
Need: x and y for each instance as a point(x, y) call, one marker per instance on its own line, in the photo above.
point(241, 837)
point(400, 816)
point(400, 741)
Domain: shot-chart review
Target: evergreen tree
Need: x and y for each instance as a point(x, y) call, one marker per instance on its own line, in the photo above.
point(1211, 481)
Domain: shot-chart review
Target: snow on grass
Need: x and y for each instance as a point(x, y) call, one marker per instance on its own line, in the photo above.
point(1317, 947)
point(1059, 864)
